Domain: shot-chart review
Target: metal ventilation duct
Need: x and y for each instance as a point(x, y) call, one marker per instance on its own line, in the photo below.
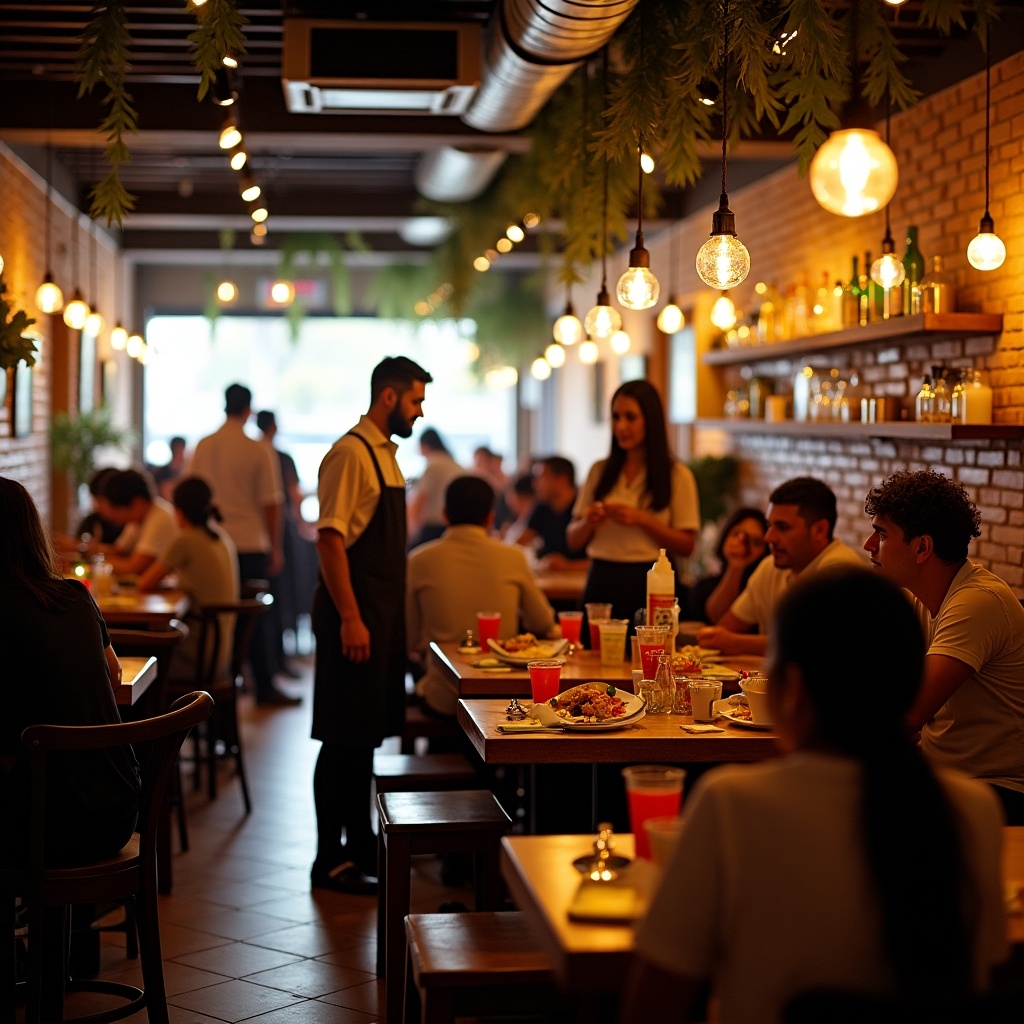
point(451, 175)
point(530, 48)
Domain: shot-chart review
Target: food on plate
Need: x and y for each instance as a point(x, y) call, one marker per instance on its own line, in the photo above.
point(684, 663)
point(591, 703)
point(527, 646)
point(739, 709)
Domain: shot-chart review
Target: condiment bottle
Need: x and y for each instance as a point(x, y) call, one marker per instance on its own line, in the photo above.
point(661, 592)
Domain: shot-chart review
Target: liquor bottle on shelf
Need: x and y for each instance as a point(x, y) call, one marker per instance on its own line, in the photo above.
point(942, 412)
point(768, 316)
point(867, 293)
point(977, 400)
point(924, 404)
point(801, 308)
point(937, 291)
point(913, 264)
point(851, 297)
point(956, 398)
point(824, 308)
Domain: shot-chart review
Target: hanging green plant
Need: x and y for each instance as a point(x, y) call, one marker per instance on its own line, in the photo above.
point(311, 248)
point(219, 32)
point(75, 439)
point(16, 346)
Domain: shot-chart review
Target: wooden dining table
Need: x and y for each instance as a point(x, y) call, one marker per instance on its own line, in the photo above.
point(561, 584)
point(137, 676)
point(590, 958)
point(150, 610)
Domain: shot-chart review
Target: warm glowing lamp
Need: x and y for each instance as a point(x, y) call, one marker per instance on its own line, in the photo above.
point(282, 292)
point(671, 319)
point(555, 355)
point(135, 345)
point(602, 319)
point(540, 368)
point(227, 291)
point(76, 312)
point(638, 288)
point(589, 352)
point(854, 173)
point(723, 312)
point(118, 338)
point(568, 329)
point(986, 250)
point(49, 297)
point(619, 343)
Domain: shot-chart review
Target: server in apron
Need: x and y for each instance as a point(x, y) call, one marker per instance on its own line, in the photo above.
point(359, 622)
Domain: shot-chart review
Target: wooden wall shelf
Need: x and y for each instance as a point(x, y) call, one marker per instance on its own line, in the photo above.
point(898, 330)
point(896, 430)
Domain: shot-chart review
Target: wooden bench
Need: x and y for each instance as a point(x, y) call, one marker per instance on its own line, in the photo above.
point(418, 725)
point(477, 964)
point(410, 773)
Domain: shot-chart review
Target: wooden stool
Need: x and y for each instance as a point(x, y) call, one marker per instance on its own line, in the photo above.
point(418, 724)
point(416, 773)
point(476, 965)
point(461, 821)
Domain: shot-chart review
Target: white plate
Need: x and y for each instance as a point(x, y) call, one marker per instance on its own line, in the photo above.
point(700, 653)
point(552, 649)
point(717, 675)
point(633, 706)
point(724, 708)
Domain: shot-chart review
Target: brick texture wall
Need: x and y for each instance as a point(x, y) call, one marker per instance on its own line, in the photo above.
point(941, 152)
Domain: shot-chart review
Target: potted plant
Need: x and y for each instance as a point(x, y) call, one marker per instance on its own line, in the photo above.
point(15, 345)
point(75, 439)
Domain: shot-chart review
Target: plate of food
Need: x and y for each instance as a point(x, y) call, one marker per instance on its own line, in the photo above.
point(591, 707)
point(525, 647)
point(736, 711)
point(694, 652)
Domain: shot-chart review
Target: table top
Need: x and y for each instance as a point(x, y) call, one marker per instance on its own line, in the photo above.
point(154, 609)
point(561, 584)
point(137, 676)
point(654, 738)
point(595, 957)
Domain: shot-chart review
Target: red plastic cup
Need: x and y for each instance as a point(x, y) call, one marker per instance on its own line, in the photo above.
point(596, 611)
point(545, 679)
point(652, 791)
point(488, 626)
point(571, 623)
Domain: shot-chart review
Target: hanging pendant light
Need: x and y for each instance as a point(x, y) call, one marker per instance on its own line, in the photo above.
point(540, 368)
point(986, 250)
point(76, 312)
point(94, 321)
point(568, 329)
point(49, 297)
point(671, 319)
point(118, 335)
point(723, 260)
point(555, 355)
point(888, 271)
point(619, 343)
point(723, 312)
point(638, 288)
point(589, 352)
point(854, 172)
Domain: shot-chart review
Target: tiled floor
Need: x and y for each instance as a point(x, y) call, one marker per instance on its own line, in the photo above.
point(243, 936)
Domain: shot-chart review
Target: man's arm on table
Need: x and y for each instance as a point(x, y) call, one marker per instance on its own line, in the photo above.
point(731, 636)
point(943, 676)
point(355, 637)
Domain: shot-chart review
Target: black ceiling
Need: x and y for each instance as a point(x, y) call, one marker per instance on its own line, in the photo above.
point(320, 172)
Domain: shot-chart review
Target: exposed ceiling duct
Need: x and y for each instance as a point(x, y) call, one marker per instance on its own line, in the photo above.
point(531, 48)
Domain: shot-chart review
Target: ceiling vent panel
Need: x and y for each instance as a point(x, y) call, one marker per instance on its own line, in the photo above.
point(408, 67)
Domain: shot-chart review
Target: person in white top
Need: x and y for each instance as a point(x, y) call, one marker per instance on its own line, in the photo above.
point(849, 864)
point(636, 501)
point(971, 706)
point(801, 517)
point(148, 521)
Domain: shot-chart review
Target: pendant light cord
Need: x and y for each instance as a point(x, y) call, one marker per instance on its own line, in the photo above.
point(888, 228)
point(604, 200)
point(988, 107)
point(49, 190)
point(725, 96)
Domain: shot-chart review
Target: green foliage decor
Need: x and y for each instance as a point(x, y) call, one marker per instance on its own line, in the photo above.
point(15, 345)
point(716, 478)
point(75, 439)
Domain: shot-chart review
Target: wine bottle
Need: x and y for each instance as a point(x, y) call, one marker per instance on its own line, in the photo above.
point(851, 298)
point(937, 289)
point(913, 265)
point(867, 294)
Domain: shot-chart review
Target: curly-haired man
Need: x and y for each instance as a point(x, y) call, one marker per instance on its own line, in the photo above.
point(970, 708)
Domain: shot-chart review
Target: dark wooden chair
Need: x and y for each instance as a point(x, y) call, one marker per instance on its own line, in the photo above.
point(49, 891)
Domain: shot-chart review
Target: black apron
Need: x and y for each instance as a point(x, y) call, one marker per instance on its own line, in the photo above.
point(361, 703)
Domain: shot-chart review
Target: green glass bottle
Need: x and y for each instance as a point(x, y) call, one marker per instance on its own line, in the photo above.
point(913, 264)
point(851, 297)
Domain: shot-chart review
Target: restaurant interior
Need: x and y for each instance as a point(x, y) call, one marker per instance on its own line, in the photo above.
point(481, 172)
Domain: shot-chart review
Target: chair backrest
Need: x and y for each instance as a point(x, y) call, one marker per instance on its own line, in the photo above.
point(836, 1006)
point(151, 643)
point(215, 633)
point(156, 742)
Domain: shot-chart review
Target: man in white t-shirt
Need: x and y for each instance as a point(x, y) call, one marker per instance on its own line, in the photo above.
point(801, 517)
point(148, 521)
point(970, 709)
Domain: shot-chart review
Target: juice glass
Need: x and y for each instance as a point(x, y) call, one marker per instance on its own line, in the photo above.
point(651, 640)
point(571, 623)
point(488, 625)
point(545, 678)
point(596, 611)
point(653, 791)
point(613, 641)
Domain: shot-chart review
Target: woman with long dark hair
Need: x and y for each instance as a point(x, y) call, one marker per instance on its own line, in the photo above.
point(847, 864)
point(204, 559)
point(740, 549)
point(58, 666)
point(636, 501)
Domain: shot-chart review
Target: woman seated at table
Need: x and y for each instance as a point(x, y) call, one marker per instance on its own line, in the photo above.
point(57, 666)
point(741, 546)
point(849, 863)
point(204, 558)
point(634, 502)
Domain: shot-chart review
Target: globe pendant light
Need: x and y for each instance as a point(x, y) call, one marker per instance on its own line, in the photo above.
point(638, 288)
point(723, 312)
point(76, 312)
point(671, 319)
point(94, 321)
point(118, 337)
point(49, 297)
point(888, 271)
point(723, 260)
point(568, 329)
point(986, 250)
point(555, 354)
point(854, 172)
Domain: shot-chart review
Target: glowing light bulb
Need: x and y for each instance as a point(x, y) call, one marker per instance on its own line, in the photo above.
point(853, 173)
point(589, 352)
point(540, 368)
point(888, 271)
point(723, 312)
point(602, 320)
point(481, 263)
point(134, 345)
point(93, 323)
point(238, 158)
point(619, 343)
point(515, 233)
point(230, 136)
point(1, 264)
point(282, 292)
point(638, 288)
point(986, 250)
point(671, 319)
point(568, 329)
point(76, 312)
point(723, 261)
point(49, 297)
point(646, 163)
point(503, 245)
point(118, 338)
point(555, 354)
point(227, 291)
point(250, 190)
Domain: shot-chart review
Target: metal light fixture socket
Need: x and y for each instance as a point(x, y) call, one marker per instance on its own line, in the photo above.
point(671, 319)
point(224, 91)
point(986, 250)
point(638, 288)
point(568, 329)
point(118, 337)
point(602, 319)
point(49, 297)
point(555, 354)
point(76, 312)
point(723, 261)
point(723, 312)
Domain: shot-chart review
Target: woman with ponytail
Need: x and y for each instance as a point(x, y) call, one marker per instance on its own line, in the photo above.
point(204, 559)
point(849, 863)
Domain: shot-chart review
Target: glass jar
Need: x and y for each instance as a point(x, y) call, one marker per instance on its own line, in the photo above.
point(681, 700)
point(660, 694)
